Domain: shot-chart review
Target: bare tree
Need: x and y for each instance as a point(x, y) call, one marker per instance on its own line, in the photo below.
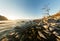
point(46, 9)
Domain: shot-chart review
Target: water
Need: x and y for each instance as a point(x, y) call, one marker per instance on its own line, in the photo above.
point(7, 26)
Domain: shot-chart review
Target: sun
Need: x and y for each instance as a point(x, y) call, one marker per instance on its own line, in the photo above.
point(12, 17)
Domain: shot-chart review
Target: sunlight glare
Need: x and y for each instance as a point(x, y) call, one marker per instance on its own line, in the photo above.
point(12, 17)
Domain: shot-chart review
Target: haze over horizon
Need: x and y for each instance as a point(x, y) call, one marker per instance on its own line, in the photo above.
point(27, 9)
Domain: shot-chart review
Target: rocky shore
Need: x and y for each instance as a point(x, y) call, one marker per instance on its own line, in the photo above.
point(45, 29)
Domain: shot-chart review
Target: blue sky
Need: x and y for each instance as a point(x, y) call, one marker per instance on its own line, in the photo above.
point(27, 9)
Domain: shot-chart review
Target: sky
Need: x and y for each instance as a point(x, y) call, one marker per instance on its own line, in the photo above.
point(27, 9)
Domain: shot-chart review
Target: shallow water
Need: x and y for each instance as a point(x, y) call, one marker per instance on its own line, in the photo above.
point(7, 26)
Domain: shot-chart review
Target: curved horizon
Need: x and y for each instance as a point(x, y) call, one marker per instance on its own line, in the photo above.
point(27, 9)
